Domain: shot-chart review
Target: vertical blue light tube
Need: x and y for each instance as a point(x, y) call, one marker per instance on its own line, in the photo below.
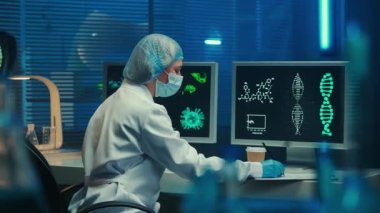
point(325, 24)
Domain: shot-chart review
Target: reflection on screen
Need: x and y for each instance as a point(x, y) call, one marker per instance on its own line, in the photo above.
point(298, 102)
point(1, 57)
point(113, 77)
point(193, 108)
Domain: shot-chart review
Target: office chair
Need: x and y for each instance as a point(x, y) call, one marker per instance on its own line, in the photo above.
point(48, 184)
point(106, 204)
point(58, 200)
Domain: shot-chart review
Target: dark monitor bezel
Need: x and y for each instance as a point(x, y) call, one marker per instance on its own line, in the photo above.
point(213, 104)
point(105, 70)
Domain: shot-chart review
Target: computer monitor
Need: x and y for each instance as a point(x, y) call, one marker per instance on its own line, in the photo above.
point(8, 53)
point(193, 109)
point(112, 77)
point(288, 104)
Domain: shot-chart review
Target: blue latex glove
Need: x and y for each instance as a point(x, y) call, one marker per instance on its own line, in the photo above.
point(272, 168)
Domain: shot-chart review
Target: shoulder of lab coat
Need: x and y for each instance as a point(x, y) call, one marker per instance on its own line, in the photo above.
point(162, 143)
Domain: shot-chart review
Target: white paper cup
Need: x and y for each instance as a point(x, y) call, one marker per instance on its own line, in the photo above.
point(255, 154)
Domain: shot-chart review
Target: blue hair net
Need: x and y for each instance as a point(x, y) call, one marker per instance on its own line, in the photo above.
point(150, 57)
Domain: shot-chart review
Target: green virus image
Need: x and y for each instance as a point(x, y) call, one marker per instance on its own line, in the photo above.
point(189, 88)
point(200, 78)
point(326, 112)
point(192, 119)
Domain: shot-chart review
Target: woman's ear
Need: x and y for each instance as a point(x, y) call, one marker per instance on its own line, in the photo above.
point(163, 77)
point(151, 85)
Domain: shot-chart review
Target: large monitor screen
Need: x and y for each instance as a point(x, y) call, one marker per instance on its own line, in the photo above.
point(288, 103)
point(193, 109)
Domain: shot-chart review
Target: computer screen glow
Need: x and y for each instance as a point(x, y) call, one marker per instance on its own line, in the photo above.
point(193, 109)
point(288, 103)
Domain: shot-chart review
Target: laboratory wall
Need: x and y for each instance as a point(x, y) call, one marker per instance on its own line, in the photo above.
point(70, 41)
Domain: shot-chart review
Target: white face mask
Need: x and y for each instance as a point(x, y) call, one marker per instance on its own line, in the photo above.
point(171, 88)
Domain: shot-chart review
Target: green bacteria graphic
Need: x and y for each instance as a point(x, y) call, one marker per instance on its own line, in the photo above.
point(192, 119)
point(326, 112)
point(200, 78)
point(189, 88)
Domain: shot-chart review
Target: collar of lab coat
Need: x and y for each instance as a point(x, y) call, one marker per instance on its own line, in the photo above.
point(140, 89)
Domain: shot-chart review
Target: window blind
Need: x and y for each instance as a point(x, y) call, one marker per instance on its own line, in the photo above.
point(248, 30)
point(68, 41)
point(191, 23)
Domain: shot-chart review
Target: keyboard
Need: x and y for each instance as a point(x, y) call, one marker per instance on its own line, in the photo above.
point(297, 173)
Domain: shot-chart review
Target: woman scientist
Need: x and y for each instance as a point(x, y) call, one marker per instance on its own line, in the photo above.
point(130, 141)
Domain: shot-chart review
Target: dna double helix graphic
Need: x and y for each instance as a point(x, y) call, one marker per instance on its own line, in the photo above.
point(297, 112)
point(326, 112)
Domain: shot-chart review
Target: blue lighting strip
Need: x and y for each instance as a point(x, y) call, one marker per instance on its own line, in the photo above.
point(325, 24)
point(213, 42)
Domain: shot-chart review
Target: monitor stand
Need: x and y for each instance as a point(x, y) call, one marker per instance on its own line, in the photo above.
point(301, 157)
point(307, 157)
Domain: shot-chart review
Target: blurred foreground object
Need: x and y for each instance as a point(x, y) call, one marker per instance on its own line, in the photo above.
point(8, 53)
point(19, 187)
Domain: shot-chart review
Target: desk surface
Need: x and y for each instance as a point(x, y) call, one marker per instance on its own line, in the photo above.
point(298, 182)
point(67, 168)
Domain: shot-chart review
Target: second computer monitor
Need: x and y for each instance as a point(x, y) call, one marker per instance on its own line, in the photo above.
point(193, 109)
point(288, 103)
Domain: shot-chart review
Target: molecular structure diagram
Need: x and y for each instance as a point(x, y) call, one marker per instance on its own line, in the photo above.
point(262, 93)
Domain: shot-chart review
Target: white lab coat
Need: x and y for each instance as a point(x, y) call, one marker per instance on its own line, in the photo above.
point(128, 144)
